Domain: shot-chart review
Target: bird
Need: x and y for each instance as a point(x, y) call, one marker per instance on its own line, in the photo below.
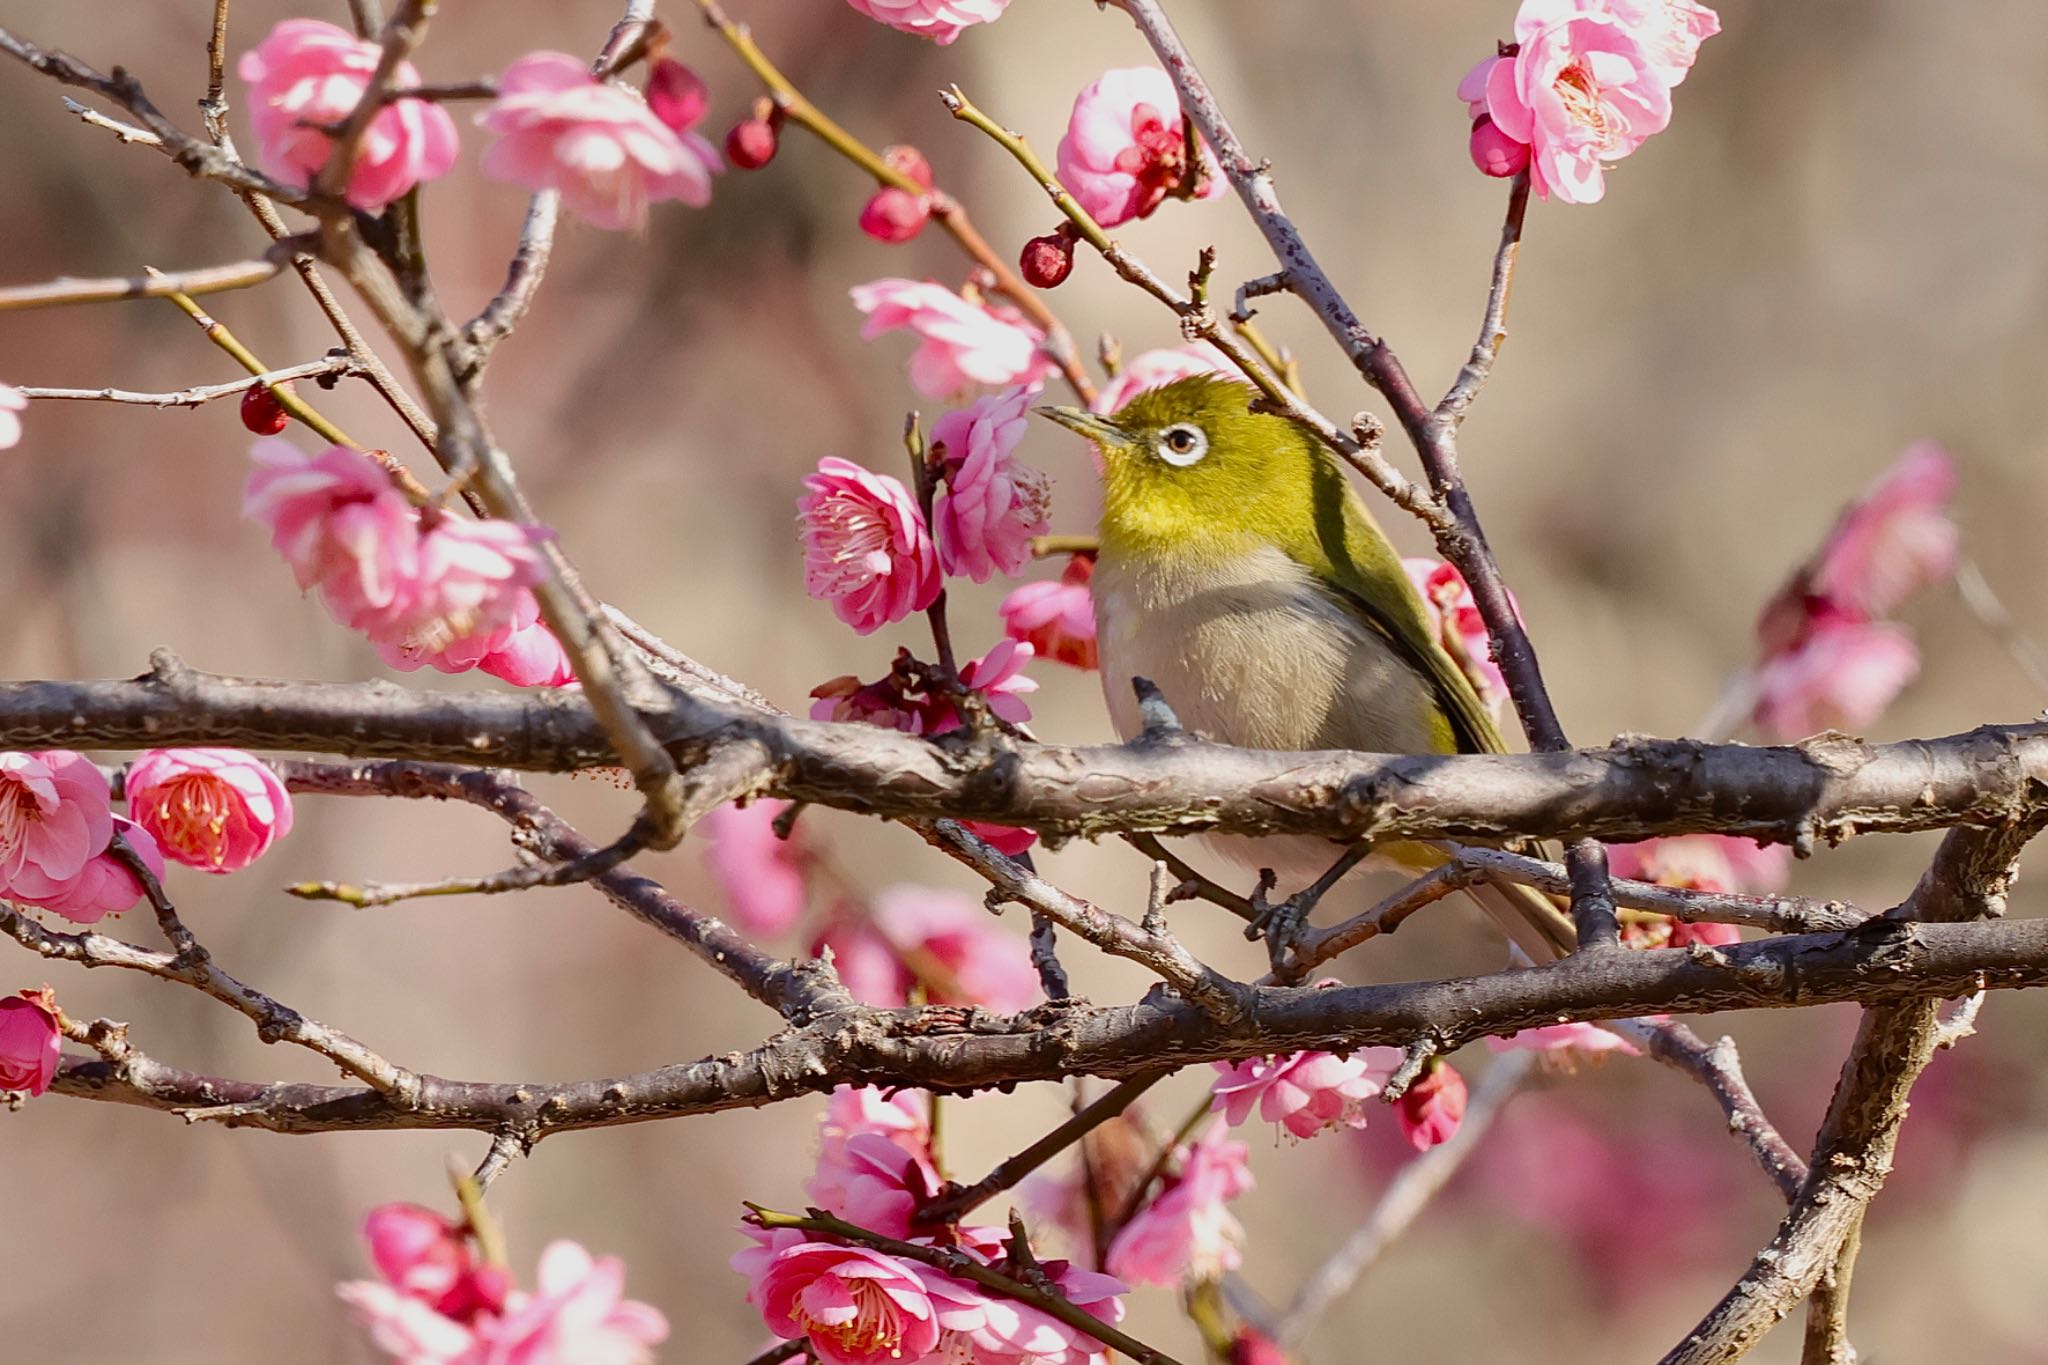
point(1240, 572)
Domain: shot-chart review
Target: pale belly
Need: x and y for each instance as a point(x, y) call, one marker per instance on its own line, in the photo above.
point(1257, 655)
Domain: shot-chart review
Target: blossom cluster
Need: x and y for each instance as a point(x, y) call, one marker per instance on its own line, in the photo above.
point(857, 1305)
point(436, 1302)
point(1584, 84)
point(605, 149)
point(427, 587)
point(1830, 655)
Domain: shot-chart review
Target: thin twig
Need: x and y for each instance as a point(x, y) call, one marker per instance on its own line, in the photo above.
point(1719, 1069)
point(198, 394)
point(955, 1203)
point(155, 285)
point(1405, 1197)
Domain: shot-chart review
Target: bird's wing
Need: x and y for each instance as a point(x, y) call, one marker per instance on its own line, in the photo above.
point(1353, 553)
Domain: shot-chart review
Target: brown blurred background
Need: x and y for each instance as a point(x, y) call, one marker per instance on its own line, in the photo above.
point(1838, 247)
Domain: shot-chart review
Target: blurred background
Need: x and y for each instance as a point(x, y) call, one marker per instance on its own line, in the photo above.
point(1838, 247)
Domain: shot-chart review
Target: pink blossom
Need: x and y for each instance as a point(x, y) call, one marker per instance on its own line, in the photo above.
point(960, 344)
point(1895, 540)
point(868, 965)
point(528, 654)
point(598, 144)
point(1151, 369)
point(956, 949)
point(1125, 149)
point(56, 816)
point(577, 1313)
point(1304, 1092)
point(1186, 1233)
point(1670, 31)
point(1056, 617)
point(855, 1305)
point(1014, 1333)
point(336, 519)
point(1431, 1108)
point(1494, 152)
point(214, 809)
point(31, 1044)
point(1576, 1039)
point(1842, 676)
point(761, 875)
point(866, 548)
point(939, 20)
point(885, 703)
point(106, 885)
point(1582, 91)
point(870, 1180)
point(903, 1117)
point(1461, 630)
point(408, 1329)
point(1703, 862)
point(426, 1257)
point(1008, 840)
point(998, 676)
point(309, 73)
point(12, 404)
point(473, 577)
point(993, 503)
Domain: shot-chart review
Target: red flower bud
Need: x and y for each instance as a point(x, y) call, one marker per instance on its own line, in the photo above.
point(1251, 1348)
point(1047, 260)
point(261, 412)
point(909, 163)
point(677, 95)
point(894, 215)
point(751, 144)
point(1494, 152)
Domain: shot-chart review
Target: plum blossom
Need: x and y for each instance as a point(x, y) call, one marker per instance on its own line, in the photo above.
point(598, 144)
point(1151, 369)
point(1670, 31)
point(105, 885)
point(1431, 1108)
point(56, 816)
point(214, 809)
point(1893, 541)
point(1842, 675)
point(1125, 150)
point(578, 1313)
point(868, 1179)
point(939, 940)
point(866, 548)
point(1567, 1040)
point(1303, 1092)
point(904, 1117)
point(1056, 617)
point(761, 874)
point(960, 343)
point(855, 1305)
point(12, 404)
point(997, 677)
point(1581, 91)
point(307, 73)
point(526, 653)
point(1186, 1233)
point(939, 20)
point(427, 1258)
point(993, 503)
point(1697, 862)
point(1014, 1333)
point(31, 1044)
point(1461, 630)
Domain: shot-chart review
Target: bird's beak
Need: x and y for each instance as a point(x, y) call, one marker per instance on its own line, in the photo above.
point(1100, 430)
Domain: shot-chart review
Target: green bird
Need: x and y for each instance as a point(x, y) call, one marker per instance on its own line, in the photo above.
point(1243, 575)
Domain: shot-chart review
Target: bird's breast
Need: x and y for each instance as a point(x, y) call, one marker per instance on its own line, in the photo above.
point(1251, 650)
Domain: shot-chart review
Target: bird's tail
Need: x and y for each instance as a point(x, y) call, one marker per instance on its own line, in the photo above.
point(1534, 921)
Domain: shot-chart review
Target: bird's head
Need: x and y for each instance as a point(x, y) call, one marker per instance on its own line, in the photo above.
point(1190, 464)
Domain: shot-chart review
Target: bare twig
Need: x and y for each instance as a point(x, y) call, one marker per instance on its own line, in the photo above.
point(1406, 1195)
point(955, 1203)
point(200, 393)
point(1719, 1068)
point(155, 285)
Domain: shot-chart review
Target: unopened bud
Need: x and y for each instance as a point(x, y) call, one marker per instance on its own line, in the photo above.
point(261, 412)
point(1494, 152)
point(751, 144)
point(677, 95)
point(1046, 261)
point(894, 215)
point(909, 163)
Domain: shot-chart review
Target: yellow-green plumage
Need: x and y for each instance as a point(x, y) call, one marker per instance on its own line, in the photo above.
point(1241, 573)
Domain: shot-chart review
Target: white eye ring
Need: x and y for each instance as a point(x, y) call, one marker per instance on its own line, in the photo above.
point(1183, 444)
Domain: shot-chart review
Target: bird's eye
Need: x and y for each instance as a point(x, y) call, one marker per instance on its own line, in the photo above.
point(1182, 445)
